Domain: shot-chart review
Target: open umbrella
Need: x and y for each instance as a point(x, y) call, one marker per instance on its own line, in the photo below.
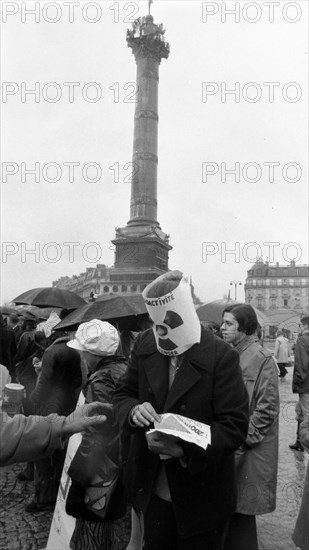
point(6, 310)
point(50, 297)
point(212, 312)
point(124, 310)
point(41, 312)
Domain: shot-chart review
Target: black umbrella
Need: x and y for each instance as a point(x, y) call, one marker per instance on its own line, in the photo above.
point(124, 310)
point(41, 313)
point(50, 297)
point(6, 310)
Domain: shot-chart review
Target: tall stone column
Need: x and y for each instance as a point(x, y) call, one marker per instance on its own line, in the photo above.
point(142, 244)
point(149, 47)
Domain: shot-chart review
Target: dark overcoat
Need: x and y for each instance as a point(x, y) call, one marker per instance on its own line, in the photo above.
point(209, 388)
point(59, 383)
point(301, 364)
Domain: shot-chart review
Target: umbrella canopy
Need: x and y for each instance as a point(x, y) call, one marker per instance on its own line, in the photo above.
point(6, 310)
point(212, 312)
point(285, 319)
point(50, 297)
point(124, 310)
point(41, 313)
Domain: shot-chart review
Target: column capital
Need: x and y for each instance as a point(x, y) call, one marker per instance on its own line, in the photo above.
point(147, 39)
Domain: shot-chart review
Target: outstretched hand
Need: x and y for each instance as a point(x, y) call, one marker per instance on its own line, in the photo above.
point(91, 414)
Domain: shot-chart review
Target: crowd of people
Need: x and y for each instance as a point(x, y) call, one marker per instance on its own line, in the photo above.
point(181, 496)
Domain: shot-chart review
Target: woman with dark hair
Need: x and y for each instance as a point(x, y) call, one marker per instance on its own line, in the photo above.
point(256, 460)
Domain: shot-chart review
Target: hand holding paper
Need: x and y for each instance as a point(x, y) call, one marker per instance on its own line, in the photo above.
point(174, 427)
point(165, 445)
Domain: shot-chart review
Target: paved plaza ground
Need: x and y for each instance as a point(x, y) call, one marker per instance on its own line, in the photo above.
point(22, 531)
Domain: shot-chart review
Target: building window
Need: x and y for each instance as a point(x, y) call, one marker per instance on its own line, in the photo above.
point(279, 281)
point(106, 288)
point(285, 282)
point(291, 282)
point(285, 303)
point(133, 288)
point(124, 288)
point(115, 288)
point(267, 281)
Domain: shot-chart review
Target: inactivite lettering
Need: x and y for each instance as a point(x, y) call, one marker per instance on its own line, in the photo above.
point(160, 301)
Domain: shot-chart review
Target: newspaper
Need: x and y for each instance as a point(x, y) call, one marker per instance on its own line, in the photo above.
point(184, 428)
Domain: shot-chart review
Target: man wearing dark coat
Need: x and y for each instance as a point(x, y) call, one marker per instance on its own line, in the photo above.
point(7, 347)
point(187, 498)
point(300, 383)
point(27, 349)
point(56, 391)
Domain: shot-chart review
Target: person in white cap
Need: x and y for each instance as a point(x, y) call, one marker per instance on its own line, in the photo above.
point(95, 498)
point(179, 367)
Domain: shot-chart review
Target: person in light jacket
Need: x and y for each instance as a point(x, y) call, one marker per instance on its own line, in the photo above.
point(256, 460)
point(282, 353)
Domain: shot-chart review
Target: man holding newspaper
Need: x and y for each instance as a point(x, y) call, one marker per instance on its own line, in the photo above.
point(183, 407)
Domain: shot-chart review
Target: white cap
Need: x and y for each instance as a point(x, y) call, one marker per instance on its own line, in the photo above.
point(97, 337)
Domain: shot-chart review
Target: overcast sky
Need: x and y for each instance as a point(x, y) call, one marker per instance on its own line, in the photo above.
point(74, 54)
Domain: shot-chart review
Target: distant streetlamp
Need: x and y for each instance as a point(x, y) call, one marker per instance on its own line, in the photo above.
point(235, 287)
